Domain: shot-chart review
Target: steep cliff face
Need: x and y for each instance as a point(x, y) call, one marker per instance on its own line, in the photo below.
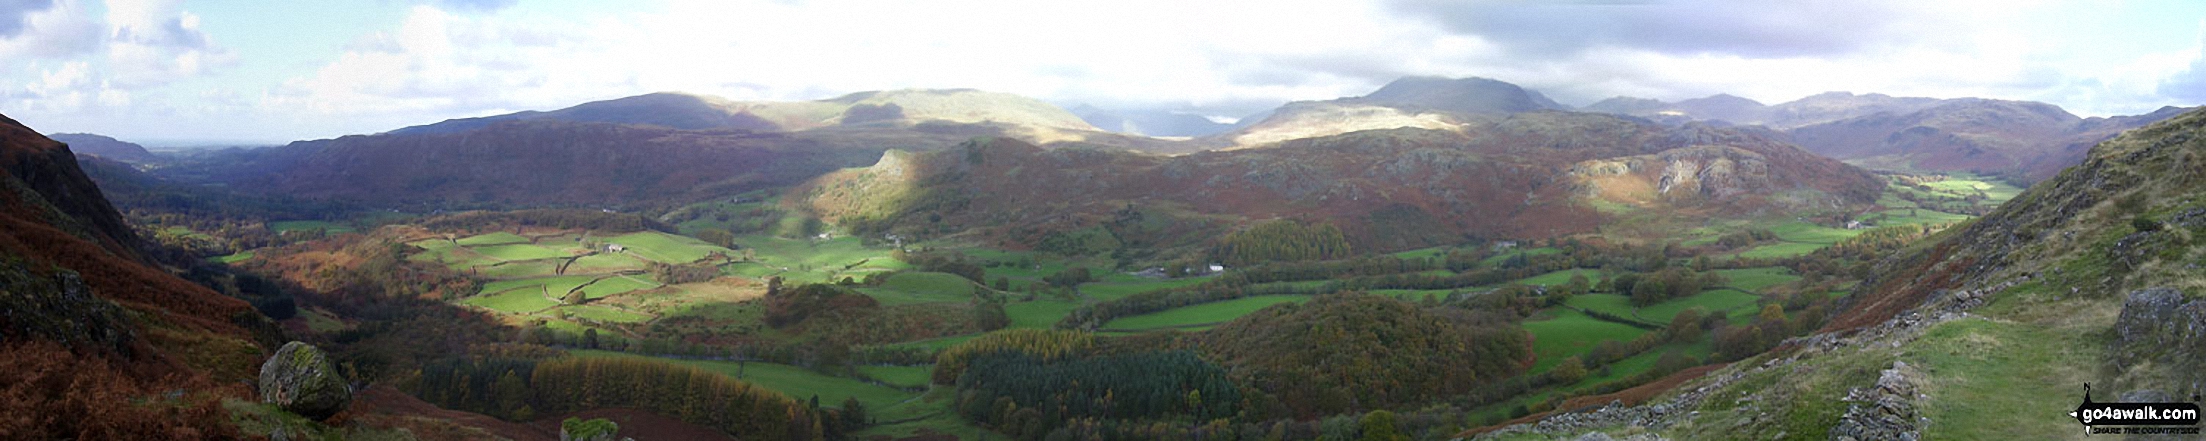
point(54, 191)
point(70, 253)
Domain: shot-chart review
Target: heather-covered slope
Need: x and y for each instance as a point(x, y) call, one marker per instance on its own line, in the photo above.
point(1990, 329)
point(1525, 175)
point(92, 331)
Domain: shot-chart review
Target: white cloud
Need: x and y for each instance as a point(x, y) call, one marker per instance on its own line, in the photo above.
point(59, 29)
point(151, 42)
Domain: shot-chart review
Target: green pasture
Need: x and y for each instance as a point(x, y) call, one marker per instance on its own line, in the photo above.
point(1202, 314)
point(799, 383)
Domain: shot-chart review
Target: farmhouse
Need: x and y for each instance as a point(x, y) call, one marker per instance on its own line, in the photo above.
point(615, 248)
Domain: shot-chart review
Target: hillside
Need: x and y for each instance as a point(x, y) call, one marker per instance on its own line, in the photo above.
point(1149, 122)
point(2022, 141)
point(92, 323)
point(2025, 141)
point(566, 163)
point(1524, 175)
point(1420, 102)
point(1812, 110)
point(1990, 329)
point(701, 112)
point(105, 147)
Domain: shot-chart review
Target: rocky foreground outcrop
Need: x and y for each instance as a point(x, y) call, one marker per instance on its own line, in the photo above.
point(301, 380)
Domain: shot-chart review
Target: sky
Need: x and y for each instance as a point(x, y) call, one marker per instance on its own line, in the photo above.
point(175, 73)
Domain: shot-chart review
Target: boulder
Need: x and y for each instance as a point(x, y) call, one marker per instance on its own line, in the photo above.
point(301, 380)
point(597, 429)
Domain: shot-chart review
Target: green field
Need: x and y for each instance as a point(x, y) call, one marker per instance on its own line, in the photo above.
point(520, 300)
point(1506, 254)
point(1038, 314)
point(604, 263)
point(665, 248)
point(935, 343)
point(921, 287)
point(498, 238)
point(616, 285)
point(797, 382)
point(506, 270)
point(1738, 305)
point(1636, 364)
point(241, 256)
point(1557, 278)
point(604, 314)
point(1612, 304)
point(1202, 314)
point(1782, 250)
point(1803, 232)
point(1569, 333)
point(901, 376)
point(1754, 279)
point(1118, 285)
point(808, 261)
point(555, 286)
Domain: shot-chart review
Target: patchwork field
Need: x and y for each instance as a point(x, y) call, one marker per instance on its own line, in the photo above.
point(1204, 314)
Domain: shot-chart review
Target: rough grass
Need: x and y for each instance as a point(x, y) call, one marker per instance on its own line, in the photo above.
point(1996, 379)
point(797, 382)
point(1202, 314)
point(516, 252)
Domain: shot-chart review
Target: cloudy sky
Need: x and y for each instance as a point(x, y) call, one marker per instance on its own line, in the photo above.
point(169, 72)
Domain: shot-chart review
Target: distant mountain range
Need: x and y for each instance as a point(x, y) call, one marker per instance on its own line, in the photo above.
point(2020, 140)
point(1418, 148)
point(105, 147)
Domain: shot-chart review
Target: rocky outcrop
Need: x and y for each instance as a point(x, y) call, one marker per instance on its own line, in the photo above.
point(576, 429)
point(61, 308)
point(1885, 410)
point(2160, 325)
point(301, 380)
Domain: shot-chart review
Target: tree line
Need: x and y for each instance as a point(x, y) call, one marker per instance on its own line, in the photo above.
point(522, 389)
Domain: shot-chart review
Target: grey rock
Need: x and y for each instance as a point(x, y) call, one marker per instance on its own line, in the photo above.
point(300, 379)
point(2146, 396)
